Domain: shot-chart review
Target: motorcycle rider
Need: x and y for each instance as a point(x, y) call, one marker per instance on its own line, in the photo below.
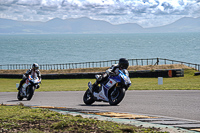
point(34, 71)
point(113, 70)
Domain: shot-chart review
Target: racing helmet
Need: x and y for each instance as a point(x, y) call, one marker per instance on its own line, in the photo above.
point(35, 66)
point(123, 63)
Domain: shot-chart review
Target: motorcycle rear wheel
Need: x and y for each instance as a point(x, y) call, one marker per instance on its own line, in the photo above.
point(88, 98)
point(115, 97)
point(30, 92)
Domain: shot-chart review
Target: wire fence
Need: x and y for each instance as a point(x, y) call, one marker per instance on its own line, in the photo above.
point(97, 64)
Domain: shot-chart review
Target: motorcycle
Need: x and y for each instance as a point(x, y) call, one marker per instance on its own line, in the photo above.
point(28, 88)
point(112, 90)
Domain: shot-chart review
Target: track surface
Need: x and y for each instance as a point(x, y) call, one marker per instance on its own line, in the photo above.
point(184, 104)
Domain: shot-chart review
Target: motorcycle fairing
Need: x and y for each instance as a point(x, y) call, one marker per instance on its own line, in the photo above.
point(116, 78)
point(34, 80)
point(125, 78)
point(110, 83)
point(27, 83)
point(101, 95)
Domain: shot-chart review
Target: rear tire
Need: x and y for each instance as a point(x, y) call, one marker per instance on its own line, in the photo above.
point(115, 97)
point(29, 92)
point(88, 98)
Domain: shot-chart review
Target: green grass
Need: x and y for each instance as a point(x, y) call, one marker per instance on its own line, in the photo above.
point(188, 82)
point(24, 119)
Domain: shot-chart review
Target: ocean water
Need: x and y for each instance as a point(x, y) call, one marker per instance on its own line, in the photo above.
point(75, 48)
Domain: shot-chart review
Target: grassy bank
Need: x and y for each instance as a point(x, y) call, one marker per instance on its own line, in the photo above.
point(188, 82)
point(24, 119)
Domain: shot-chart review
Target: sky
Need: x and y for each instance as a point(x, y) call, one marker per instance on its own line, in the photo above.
point(146, 13)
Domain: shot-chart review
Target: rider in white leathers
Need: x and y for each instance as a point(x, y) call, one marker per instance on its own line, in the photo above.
point(34, 71)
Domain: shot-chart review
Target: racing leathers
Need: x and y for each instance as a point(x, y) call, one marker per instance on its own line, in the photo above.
point(34, 73)
point(113, 70)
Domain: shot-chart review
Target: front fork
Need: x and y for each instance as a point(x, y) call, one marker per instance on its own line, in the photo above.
point(25, 90)
point(90, 86)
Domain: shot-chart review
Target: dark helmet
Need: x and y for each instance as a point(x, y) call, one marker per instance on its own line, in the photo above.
point(35, 66)
point(123, 63)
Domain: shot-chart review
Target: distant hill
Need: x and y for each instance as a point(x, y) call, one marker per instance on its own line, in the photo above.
point(185, 24)
point(86, 25)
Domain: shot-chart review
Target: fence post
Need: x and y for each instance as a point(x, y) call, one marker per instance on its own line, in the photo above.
point(198, 68)
point(157, 61)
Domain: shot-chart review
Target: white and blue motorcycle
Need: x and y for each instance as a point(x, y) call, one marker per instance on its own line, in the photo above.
point(112, 90)
point(28, 88)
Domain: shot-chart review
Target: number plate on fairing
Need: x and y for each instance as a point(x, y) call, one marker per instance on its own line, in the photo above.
point(110, 84)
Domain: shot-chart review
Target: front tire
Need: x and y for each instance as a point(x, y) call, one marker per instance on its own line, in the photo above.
point(88, 98)
point(116, 96)
point(30, 92)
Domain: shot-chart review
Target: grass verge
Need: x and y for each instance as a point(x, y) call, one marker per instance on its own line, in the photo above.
point(188, 82)
point(24, 119)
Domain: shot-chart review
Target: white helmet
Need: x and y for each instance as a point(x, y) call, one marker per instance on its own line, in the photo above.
point(35, 66)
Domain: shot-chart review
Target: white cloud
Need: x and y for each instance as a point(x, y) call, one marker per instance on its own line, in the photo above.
point(144, 12)
point(29, 2)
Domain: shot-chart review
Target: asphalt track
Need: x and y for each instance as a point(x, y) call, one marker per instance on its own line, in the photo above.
point(183, 104)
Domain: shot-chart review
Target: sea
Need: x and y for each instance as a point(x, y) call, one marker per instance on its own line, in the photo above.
point(76, 48)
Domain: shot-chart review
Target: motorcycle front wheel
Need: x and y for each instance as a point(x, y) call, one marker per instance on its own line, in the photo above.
point(88, 98)
point(116, 96)
point(30, 92)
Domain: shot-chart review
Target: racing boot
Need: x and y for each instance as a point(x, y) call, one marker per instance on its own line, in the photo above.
point(21, 83)
point(20, 86)
point(92, 87)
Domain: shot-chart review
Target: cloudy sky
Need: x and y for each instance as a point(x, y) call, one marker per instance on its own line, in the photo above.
point(147, 13)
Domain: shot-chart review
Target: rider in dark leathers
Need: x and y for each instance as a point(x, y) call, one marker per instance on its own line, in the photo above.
point(113, 70)
point(34, 71)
